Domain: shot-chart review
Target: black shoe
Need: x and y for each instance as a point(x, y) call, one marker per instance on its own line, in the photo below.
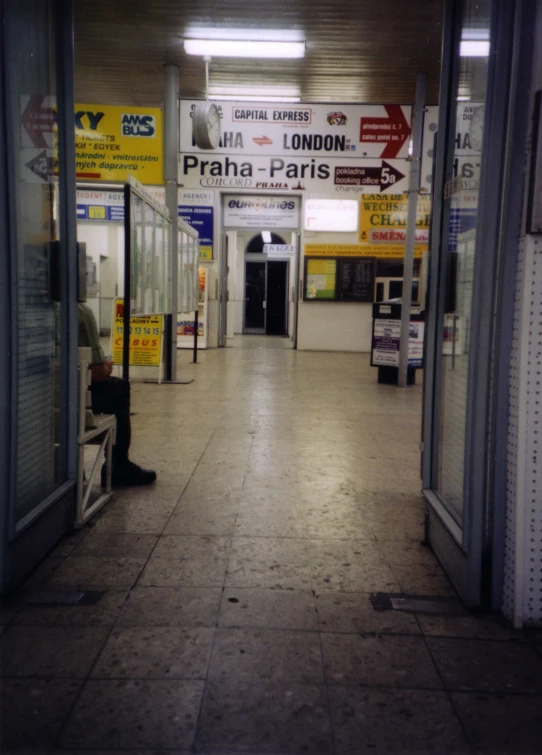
point(129, 474)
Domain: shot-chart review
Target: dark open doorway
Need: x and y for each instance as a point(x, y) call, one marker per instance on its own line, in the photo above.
point(277, 287)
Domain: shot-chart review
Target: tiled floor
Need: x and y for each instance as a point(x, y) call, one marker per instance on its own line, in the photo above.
point(235, 613)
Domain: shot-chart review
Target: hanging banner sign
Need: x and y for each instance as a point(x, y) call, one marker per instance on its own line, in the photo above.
point(279, 250)
point(383, 224)
point(145, 337)
point(380, 131)
point(113, 141)
point(265, 212)
point(298, 174)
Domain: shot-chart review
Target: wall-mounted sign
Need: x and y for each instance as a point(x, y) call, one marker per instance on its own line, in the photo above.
point(113, 141)
point(202, 219)
point(332, 215)
point(305, 130)
point(100, 205)
point(383, 224)
point(338, 279)
point(265, 212)
point(317, 174)
point(279, 250)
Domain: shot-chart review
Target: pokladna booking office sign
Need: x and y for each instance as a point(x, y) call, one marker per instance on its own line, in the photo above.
point(112, 142)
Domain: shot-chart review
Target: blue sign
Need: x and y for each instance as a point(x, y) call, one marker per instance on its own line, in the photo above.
point(113, 213)
point(202, 219)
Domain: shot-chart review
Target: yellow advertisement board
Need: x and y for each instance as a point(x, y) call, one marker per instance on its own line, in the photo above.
point(145, 337)
point(383, 222)
point(112, 141)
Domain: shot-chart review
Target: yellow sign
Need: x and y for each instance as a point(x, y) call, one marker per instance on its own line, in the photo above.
point(113, 141)
point(383, 221)
point(335, 250)
point(206, 252)
point(321, 279)
point(145, 337)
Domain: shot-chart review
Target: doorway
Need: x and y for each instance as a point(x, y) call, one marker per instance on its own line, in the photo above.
point(266, 300)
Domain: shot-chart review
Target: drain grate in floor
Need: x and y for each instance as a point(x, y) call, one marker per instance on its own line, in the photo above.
point(435, 604)
point(62, 598)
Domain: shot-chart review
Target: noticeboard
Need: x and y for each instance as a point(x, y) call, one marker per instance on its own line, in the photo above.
point(348, 279)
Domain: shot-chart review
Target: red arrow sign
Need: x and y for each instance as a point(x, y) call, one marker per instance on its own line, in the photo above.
point(392, 131)
point(37, 120)
point(261, 140)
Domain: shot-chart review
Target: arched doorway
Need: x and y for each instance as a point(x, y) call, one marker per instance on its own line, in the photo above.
point(266, 287)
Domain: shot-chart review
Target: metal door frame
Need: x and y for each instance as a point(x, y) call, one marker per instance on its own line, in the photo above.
point(223, 292)
point(468, 553)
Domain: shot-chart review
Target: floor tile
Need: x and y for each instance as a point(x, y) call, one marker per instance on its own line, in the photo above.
point(32, 711)
point(187, 561)
point(383, 721)
point(349, 566)
point(481, 665)
point(58, 652)
point(116, 545)
point(141, 516)
point(420, 579)
point(265, 717)
point(385, 660)
point(90, 572)
point(155, 652)
point(269, 563)
point(475, 626)
point(271, 520)
point(171, 606)
point(213, 517)
point(274, 609)
point(408, 554)
point(354, 613)
point(102, 613)
point(501, 724)
point(134, 714)
point(245, 655)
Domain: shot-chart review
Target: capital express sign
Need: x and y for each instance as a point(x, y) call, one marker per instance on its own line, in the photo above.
point(325, 148)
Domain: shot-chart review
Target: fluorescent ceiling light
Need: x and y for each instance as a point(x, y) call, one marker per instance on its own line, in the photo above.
point(463, 98)
point(474, 48)
point(253, 98)
point(235, 48)
point(252, 35)
point(255, 91)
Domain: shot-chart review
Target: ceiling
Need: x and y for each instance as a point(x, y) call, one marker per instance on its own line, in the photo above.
point(356, 50)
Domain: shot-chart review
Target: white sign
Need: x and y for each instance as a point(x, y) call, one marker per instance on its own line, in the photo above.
point(252, 211)
point(279, 250)
point(334, 215)
point(380, 131)
point(315, 175)
point(467, 147)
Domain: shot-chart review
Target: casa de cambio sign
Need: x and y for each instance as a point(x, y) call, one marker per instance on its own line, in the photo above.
point(346, 149)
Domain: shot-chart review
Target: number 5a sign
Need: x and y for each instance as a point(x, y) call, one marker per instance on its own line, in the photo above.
point(145, 337)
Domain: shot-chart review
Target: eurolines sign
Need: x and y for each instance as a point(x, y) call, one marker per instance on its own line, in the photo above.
point(252, 211)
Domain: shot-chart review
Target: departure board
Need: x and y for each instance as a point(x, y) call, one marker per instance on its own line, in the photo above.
point(357, 277)
point(346, 279)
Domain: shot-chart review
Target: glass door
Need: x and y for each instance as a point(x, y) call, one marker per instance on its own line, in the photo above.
point(455, 515)
point(255, 297)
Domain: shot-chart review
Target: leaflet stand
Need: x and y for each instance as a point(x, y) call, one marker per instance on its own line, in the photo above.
point(386, 339)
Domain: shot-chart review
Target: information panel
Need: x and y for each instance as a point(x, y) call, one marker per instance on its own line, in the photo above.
point(145, 337)
point(340, 279)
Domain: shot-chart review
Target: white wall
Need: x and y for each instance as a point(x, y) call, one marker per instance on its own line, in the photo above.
point(333, 326)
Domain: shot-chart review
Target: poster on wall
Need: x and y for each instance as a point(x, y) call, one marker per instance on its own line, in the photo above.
point(186, 323)
point(145, 337)
point(305, 129)
point(320, 279)
point(101, 206)
point(113, 141)
point(197, 209)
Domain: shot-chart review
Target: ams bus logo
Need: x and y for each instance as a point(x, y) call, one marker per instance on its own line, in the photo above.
point(133, 124)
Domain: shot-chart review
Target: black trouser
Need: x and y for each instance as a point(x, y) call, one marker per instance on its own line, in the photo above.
point(113, 397)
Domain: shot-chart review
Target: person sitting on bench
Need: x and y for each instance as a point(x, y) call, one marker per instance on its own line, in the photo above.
point(111, 395)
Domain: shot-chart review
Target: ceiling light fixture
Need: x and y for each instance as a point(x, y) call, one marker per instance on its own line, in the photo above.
point(237, 48)
point(474, 48)
point(252, 98)
point(286, 93)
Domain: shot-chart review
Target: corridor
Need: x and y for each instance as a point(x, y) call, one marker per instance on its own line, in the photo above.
point(233, 607)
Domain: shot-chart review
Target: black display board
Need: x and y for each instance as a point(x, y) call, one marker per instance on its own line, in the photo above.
point(353, 279)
